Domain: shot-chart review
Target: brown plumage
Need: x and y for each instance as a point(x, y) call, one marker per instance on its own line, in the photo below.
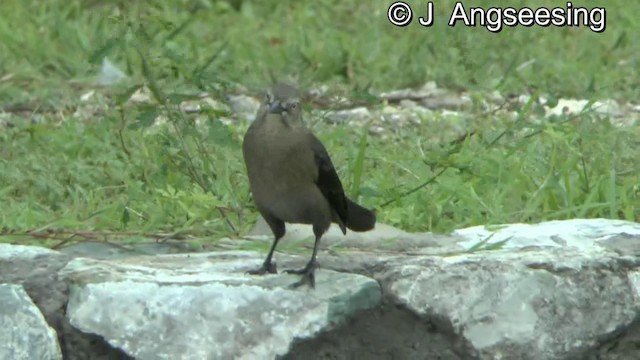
point(292, 178)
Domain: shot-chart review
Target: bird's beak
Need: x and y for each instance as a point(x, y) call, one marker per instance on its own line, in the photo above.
point(276, 107)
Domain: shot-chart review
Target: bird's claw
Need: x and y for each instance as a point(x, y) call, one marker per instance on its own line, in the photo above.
point(308, 276)
point(270, 268)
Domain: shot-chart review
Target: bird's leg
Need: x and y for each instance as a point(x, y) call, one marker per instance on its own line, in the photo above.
point(267, 265)
point(307, 272)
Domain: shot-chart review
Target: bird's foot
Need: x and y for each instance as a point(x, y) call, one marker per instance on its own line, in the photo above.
point(308, 276)
point(269, 267)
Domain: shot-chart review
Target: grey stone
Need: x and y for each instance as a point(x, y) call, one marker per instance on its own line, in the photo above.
point(589, 236)
point(36, 269)
point(245, 107)
point(104, 250)
point(525, 304)
point(623, 244)
point(429, 96)
point(358, 115)
point(384, 239)
point(555, 290)
point(205, 306)
point(25, 334)
point(110, 74)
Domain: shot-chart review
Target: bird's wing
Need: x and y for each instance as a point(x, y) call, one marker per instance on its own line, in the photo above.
point(328, 181)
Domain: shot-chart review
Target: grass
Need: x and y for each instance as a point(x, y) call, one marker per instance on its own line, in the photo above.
point(105, 169)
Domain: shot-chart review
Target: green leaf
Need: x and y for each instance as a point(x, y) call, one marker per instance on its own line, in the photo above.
point(219, 133)
point(148, 75)
point(176, 98)
point(498, 245)
point(197, 73)
point(145, 118)
point(99, 54)
point(124, 220)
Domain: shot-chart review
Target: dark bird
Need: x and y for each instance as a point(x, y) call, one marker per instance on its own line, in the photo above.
point(293, 180)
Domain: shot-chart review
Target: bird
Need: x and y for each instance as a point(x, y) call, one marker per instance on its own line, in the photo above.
point(292, 178)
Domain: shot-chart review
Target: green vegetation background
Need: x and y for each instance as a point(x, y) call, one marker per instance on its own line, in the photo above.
point(110, 171)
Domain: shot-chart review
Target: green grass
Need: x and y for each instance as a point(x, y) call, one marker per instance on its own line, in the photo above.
point(107, 170)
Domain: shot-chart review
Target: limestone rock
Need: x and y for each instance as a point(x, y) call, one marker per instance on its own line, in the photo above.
point(244, 106)
point(555, 290)
point(37, 270)
point(384, 239)
point(25, 334)
point(205, 306)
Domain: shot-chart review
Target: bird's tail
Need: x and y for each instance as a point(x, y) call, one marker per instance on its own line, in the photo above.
point(360, 218)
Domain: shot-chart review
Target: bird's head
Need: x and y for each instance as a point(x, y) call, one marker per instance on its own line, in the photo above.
point(284, 100)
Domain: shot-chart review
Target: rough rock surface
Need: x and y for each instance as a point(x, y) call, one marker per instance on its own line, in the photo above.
point(555, 290)
point(36, 269)
point(25, 334)
point(165, 306)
